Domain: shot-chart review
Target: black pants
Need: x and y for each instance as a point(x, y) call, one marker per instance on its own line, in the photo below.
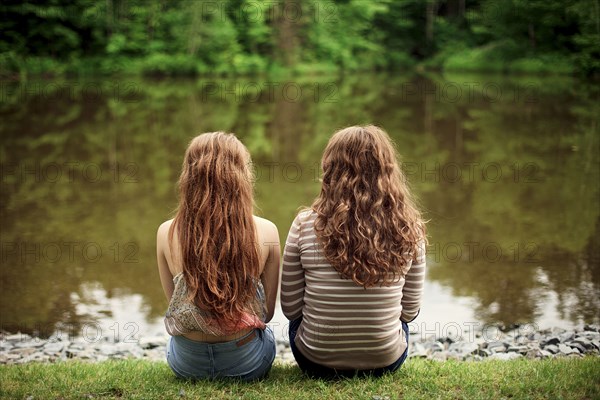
point(315, 370)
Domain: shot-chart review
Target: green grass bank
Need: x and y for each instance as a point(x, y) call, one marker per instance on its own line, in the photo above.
point(563, 378)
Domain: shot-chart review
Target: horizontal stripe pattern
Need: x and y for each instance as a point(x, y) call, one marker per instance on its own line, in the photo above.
point(344, 325)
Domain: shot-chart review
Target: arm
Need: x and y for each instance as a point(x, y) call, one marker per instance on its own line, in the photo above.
point(270, 274)
point(413, 287)
point(292, 278)
point(166, 277)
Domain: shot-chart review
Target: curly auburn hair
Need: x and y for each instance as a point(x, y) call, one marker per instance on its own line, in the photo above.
point(367, 222)
point(215, 226)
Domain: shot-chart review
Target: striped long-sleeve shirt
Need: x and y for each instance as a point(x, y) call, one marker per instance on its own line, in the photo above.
point(344, 325)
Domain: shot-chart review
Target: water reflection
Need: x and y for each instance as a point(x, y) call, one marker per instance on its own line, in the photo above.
point(506, 168)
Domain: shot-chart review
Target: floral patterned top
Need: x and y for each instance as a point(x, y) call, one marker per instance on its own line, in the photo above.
point(183, 316)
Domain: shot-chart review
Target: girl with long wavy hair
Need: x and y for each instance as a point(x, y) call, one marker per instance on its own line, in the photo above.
point(354, 263)
point(219, 267)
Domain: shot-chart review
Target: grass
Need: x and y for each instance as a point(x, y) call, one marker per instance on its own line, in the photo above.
point(566, 378)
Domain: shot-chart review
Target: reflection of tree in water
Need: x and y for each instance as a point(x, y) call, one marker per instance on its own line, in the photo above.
point(577, 282)
point(552, 206)
point(151, 133)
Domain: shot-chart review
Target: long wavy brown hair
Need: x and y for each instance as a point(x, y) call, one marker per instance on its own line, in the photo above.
point(215, 226)
point(367, 221)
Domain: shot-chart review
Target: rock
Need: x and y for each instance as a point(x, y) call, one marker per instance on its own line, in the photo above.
point(125, 347)
point(521, 339)
point(30, 343)
point(518, 349)
point(417, 350)
point(463, 348)
point(106, 349)
point(566, 350)
point(5, 344)
point(23, 351)
point(553, 349)
point(552, 340)
point(34, 357)
point(504, 356)
point(446, 340)
point(482, 352)
point(18, 337)
point(496, 347)
point(152, 342)
point(513, 333)
point(58, 337)
point(590, 335)
point(545, 354)
point(71, 353)
point(577, 346)
point(280, 348)
point(593, 328)
point(584, 342)
point(437, 347)
point(535, 353)
point(136, 352)
point(52, 348)
point(22, 348)
point(85, 355)
point(564, 337)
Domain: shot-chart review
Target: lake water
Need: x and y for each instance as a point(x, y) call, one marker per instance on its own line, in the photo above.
point(506, 170)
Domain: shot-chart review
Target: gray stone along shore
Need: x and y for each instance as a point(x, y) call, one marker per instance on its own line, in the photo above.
point(470, 346)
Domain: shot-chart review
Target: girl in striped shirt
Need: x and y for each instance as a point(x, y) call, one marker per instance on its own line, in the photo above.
point(354, 263)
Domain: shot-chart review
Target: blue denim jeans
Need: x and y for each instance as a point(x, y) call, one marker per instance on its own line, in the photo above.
point(315, 370)
point(248, 358)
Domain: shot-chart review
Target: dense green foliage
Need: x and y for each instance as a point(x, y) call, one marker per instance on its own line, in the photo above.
point(251, 36)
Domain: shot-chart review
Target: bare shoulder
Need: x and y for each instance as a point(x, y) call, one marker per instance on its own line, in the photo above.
point(163, 231)
point(265, 227)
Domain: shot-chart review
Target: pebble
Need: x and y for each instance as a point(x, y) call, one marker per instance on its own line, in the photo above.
point(578, 346)
point(463, 347)
point(496, 347)
point(504, 356)
point(417, 350)
point(434, 347)
point(556, 342)
point(552, 340)
point(564, 349)
point(551, 348)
